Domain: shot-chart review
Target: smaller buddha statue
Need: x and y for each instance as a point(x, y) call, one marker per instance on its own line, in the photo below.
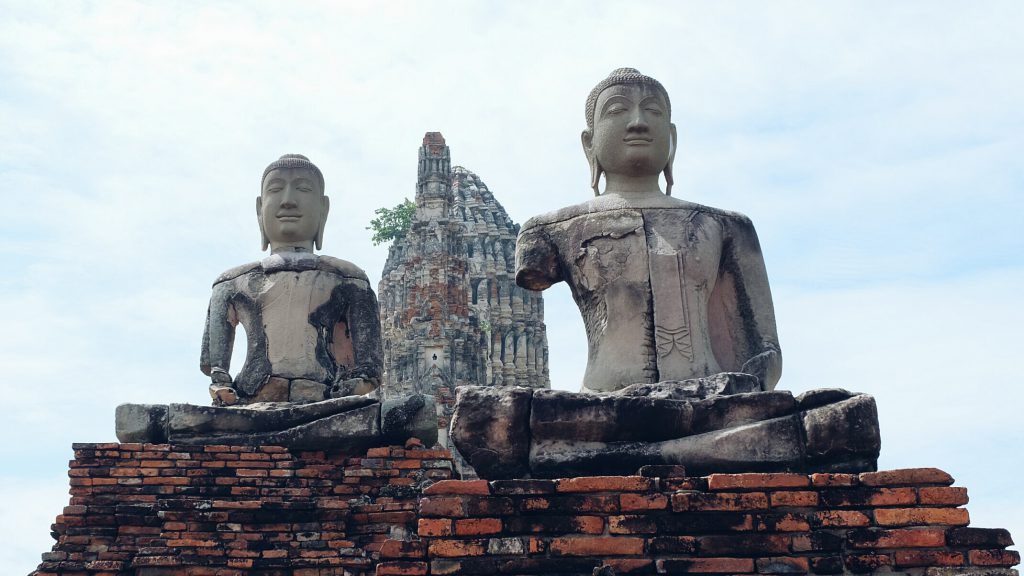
point(313, 357)
point(311, 321)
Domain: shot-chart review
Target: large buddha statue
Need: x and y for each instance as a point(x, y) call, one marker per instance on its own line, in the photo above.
point(313, 343)
point(311, 321)
point(668, 289)
point(683, 351)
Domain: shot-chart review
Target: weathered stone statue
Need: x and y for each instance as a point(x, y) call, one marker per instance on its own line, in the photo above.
point(314, 349)
point(683, 351)
point(669, 289)
point(311, 321)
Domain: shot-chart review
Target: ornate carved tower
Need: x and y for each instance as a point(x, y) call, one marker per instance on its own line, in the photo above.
point(451, 313)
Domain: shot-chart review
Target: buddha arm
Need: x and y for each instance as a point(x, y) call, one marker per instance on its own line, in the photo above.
point(537, 260)
point(746, 339)
point(364, 325)
point(219, 335)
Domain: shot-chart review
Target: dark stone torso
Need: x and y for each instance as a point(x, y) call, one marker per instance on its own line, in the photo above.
point(646, 279)
point(305, 317)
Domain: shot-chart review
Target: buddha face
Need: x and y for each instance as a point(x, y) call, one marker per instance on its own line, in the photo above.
point(632, 132)
point(292, 207)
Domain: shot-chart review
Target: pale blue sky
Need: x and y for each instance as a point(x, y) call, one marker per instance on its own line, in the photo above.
point(876, 146)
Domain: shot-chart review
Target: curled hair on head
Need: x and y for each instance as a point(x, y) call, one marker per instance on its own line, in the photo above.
point(623, 76)
point(293, 161)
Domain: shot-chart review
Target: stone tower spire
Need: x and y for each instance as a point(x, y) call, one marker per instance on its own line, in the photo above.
point(451, 314)
point(434, 177)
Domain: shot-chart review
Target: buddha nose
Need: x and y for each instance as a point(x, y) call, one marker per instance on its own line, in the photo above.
point(288, 197)
point(637, 122)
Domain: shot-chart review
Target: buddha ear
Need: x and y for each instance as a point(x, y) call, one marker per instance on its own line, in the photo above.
point(587, 138)
point(259, 218)
point(324, 209)
point(671, 159)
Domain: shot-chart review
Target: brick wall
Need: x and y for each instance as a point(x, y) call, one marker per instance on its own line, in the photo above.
point(229, 510)
point(905, 521)
point(155, 510)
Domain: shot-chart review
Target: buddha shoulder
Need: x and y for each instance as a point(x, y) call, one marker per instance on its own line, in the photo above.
point(232, 273)
point(599, 204)
point(341, 267)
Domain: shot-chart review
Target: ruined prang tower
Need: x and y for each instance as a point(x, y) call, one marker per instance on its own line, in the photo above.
point(451, 313)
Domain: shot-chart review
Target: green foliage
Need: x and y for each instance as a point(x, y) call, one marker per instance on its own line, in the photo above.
point(392, 223)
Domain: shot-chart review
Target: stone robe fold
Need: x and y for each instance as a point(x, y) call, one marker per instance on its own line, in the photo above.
point(668, 290)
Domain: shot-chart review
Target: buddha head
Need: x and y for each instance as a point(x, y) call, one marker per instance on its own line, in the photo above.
point(629, 128)
point(292, 207)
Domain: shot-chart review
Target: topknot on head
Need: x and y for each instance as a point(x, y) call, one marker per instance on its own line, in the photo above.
point(622, 76)
point(293, 161)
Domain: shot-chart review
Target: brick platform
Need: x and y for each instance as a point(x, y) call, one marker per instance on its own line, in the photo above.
point(150, 510)
point(154, 510)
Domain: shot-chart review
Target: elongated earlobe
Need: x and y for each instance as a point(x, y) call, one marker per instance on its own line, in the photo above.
point(671, 158)
point(259, 218)
point(326, 207)
point(587, 139)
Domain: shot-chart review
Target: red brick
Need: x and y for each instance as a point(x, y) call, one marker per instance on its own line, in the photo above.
point(744, 544)
point(535, 546)
point(796, 499)
point(706, 565)
point(1005, 558)
point(867, 562)
point(155, 464)
point(399, 568)
point(477, 527)
point(406, 464)
point(911, 558)
point(166, 481)
point(378, 452)
point(944, 495)
point(631, 525)
point(237, 504)
point(443, 507)
point(590, 503)
point(757, 481)
point(605, 484)
point(824, 479)
point(660, 545)
point(457, 548)
point(906, 477)
point(478, 487)
point(634, 502)
point(782, 565)
point(782, 523)
point(191, 543)
point(922, 516)
point(725, 502)
point(554, 524)
point(274, 554)
point(840, 519)
point(434, 527)
point(899, 538)
point(628, 565)
point(864, 497)
point(403, 549)
point(596, 546)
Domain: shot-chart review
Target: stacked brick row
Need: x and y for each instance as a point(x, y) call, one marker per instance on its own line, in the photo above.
point(906, 521)
point(150, 510)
